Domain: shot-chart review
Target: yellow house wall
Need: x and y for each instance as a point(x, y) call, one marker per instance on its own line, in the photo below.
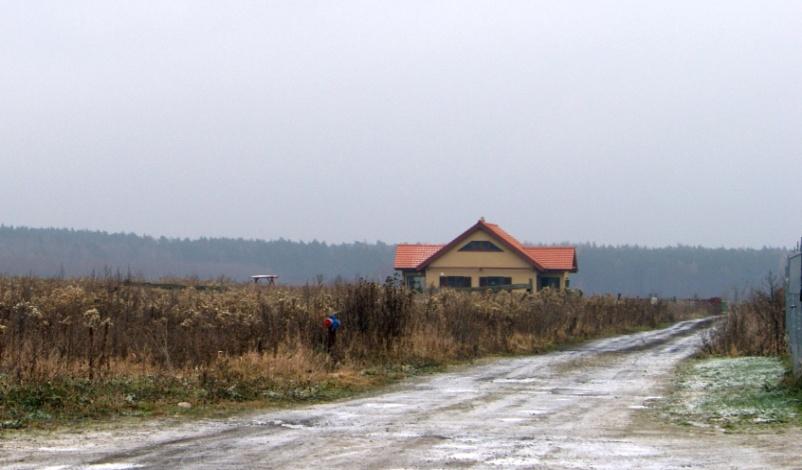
point(476, 264)
point(519, 276)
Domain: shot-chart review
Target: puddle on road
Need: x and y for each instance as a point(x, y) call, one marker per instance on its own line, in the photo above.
point(457, 391)
point(102, 466)
point(579, 393)
point(284, 424)
point(384, 405)
point(536, 412)
point(517, 381)
point(112, 466)
point(512, 420)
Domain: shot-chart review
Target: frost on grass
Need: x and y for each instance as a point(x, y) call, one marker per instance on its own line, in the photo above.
point(730, 391)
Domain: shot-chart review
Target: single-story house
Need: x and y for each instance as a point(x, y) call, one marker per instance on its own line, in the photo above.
point(485, 256)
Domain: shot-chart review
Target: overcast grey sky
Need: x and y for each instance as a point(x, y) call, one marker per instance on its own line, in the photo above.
point(649, 122)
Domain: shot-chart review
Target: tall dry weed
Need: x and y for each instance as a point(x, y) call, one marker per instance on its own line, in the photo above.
point(754, 327)
point(100, 328)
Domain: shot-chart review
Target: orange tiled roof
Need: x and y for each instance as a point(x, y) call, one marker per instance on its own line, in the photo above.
point(409, 256)
point(556, 258)
point(419, 256)
point(510, 240)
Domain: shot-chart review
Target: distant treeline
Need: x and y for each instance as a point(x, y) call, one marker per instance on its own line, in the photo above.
point(681, 271)
point(678, 271)
point(57, 252)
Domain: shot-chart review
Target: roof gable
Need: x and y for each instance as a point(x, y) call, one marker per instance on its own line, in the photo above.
point(544, 258)
point(495, 232)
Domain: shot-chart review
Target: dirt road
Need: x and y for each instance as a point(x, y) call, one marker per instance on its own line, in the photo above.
point(580, 408)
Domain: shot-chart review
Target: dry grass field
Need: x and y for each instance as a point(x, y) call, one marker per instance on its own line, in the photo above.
point(72, 349)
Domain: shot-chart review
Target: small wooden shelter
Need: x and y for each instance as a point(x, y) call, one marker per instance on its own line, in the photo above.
point(270, 279)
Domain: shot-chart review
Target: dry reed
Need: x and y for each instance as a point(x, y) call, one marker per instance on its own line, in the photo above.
point(754, 327)
point(245, 342)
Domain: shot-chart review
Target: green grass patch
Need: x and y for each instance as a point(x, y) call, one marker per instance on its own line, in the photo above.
point(732, 393)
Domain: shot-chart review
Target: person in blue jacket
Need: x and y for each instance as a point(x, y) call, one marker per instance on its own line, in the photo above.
point(332, 324)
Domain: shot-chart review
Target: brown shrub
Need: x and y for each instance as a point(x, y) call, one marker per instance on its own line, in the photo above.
point(755, 327)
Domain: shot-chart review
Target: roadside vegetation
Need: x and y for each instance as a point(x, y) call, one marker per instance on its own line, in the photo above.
point(89, 348)
point(753, 327)
point(731, 393)
point(741, 376)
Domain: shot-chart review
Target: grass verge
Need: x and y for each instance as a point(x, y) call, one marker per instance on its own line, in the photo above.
point(732, 394)
point(75, 401)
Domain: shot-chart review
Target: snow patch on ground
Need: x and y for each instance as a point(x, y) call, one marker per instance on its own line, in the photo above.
point(731, 391)
point(113, 466)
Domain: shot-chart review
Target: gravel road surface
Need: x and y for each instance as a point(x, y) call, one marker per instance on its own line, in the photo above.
point(578, 408)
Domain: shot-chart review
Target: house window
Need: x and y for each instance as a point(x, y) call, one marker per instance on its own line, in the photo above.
point(416, 281)
point(553, 282)
point(480, 245)
point(494, 281)
point(455, 281)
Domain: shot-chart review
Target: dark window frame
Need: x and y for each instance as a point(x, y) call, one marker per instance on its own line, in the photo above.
point(553, 282)
point(416, 281)
point(481, 245)
point(495, 281)
point(456, 281)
